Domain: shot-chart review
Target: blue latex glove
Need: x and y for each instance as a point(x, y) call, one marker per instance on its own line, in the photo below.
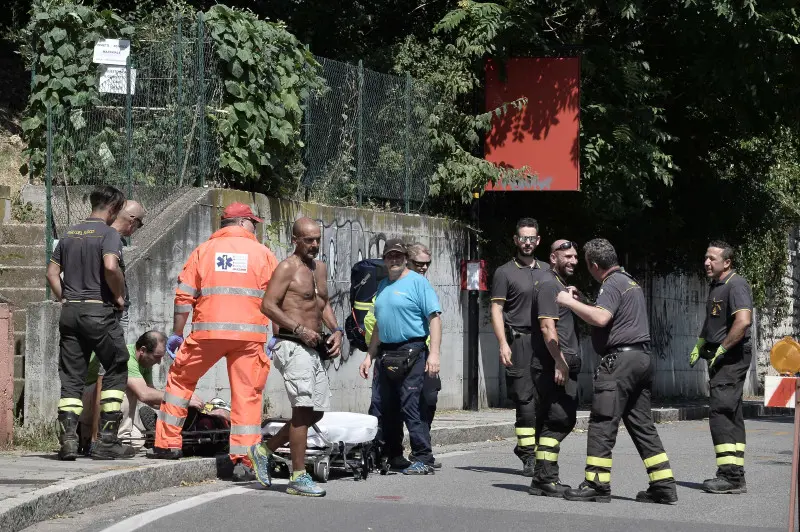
point(173, 343)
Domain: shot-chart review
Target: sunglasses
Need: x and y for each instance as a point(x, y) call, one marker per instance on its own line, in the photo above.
point(528, 239)
point(420, 264)
point(567, 245)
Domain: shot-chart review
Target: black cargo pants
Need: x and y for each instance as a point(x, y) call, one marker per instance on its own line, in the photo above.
point(726, 418)
point(519, 384)
point(622, 387)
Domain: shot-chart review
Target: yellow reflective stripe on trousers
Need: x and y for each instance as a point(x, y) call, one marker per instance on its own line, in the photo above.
point(655, 460)
point(169, 419)
point(525, 431)
point(548, 442)
point(180, 402)
point(358, 305)
point(728, 460)
point(238, 449)
point(544, 455)
point(740, 447)
point(245, 429)
point(598, 462)
point(119, 395)
point(591, 476)
point(69, 402)
point(725, 448)
point(222, 326)
point(111, 406)
point(230, 291)
point(660, 475)
point(526, 442)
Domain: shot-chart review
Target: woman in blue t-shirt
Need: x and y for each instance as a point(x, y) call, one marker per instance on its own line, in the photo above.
point(406, 312)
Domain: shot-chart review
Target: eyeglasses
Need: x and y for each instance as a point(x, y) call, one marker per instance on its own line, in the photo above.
point(567, 245)
point(420, 264)
point(527, 239)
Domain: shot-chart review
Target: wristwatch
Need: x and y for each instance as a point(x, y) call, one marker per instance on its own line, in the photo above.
point(338, 329)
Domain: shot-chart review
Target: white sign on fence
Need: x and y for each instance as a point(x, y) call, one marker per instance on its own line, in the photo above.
point(112, 80)
point(111, 51)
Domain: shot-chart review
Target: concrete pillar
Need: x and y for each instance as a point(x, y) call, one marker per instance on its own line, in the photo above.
point(42, 384)
point(6, 374)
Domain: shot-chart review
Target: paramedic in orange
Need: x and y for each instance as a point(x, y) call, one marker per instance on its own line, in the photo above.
point(222, 283)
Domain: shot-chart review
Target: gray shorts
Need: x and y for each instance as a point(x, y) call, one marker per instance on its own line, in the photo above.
point(303, 374)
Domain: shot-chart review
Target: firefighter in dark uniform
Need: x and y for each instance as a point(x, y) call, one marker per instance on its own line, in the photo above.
point(93, 296)
point(556, 364)
point(622, 382)
point(512, 298)
point(725, 343)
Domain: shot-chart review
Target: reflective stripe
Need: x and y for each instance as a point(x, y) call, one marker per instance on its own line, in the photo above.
point(740, 447)
point(238, 449)
point(740, 461)
point(119, 395)
point(601, 477)
point(544, 455)
point(655, 460)
point(180, 402)
point(660, 475)
point(112, 406)
point(169, 419)
point(525, 431)
point(230, 291)
point(358, 305)
point(191, 290)
point(725, 448)
point(598, 462)
point(527, 442)
point(69, 402)
point(180, 309)
point(74, 409)
point(548, 442)
point(239, 327)
point(245, 429)
point(728, 460)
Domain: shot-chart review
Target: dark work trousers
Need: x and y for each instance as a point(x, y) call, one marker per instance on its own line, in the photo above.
point(556, 410)
point(87, 328)
point(519, 384)
point(429, 398)
point(401, 400)
point(622, 387)
point(391, 449)
point(726, 419)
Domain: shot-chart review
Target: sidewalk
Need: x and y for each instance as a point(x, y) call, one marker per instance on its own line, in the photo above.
point(37, 486)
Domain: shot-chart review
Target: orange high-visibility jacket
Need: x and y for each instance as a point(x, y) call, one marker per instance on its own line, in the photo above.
point(223, 282)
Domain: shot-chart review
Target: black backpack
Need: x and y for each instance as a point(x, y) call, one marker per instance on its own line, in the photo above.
point(364, 278)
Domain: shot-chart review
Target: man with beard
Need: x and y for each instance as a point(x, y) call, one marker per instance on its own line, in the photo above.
point(725, 343)
point(297, 303)
point(556, 364)
point(512, 298)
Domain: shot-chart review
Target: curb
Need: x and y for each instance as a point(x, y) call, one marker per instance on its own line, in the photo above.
point(68, 496)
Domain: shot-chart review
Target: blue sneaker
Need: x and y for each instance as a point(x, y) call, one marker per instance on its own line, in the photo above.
point(262, 464)
point(418, 468)
point(304, 485)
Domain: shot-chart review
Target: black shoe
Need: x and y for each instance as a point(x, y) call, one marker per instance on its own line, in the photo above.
point(548, 489)
point(528, 467)
point(399, 462)
point(587, 492)
point(723, 485)
point(242, 473)
point(436, 465)
point(658, 496)
point(68, 436)
point(159, 453)
point(148, 417)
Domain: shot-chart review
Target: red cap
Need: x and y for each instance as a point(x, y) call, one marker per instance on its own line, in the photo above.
point(240, 210)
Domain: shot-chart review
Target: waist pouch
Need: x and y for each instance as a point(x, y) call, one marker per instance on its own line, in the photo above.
point(322, 346)
point(398, 363)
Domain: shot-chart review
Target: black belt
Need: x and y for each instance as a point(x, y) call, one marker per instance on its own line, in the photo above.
point(644, 347)
point(517, 332)
point(399, 345)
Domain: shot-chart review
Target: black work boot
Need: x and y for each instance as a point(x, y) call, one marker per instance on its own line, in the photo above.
point(528, 466)
point(108, 446)
point(658, 495)
point(548, 489)
point(399, 462)
point(68, 435)
point(161, 453)
point(587, 492)
point(724, 485)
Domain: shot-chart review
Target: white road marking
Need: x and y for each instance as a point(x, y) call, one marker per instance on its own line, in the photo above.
point(453, 453)
point(137, 521)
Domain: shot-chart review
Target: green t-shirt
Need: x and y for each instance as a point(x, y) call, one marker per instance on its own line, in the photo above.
point(134, 369)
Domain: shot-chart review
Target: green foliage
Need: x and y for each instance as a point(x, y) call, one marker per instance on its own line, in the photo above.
point(267, 76)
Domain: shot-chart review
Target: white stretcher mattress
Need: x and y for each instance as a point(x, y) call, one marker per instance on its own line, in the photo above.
point(347, 427)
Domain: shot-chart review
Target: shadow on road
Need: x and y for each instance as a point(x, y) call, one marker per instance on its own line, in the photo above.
point(513, 487)
point(691, 485)
point(505, 470)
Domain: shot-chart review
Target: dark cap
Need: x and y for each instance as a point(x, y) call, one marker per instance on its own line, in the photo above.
point(394, 244)
point(240, 210)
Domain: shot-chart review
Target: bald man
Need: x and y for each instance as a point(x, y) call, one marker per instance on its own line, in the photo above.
point(555, 366)
point(297, 302)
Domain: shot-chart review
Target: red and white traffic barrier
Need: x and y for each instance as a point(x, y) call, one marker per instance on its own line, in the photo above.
point(779, 391)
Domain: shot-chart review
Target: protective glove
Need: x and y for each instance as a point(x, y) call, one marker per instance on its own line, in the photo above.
point(695, 354)
point(720, 351)
point(173, 343)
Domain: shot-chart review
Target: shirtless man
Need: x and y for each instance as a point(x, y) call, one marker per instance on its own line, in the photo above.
point(296, 301)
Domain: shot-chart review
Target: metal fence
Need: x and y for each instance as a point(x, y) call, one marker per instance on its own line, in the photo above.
point(365, 138)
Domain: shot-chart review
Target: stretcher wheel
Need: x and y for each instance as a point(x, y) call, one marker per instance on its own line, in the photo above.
point(364, 465)
point(321, 470)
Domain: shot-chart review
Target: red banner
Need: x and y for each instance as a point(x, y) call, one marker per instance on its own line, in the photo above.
point(542, 136)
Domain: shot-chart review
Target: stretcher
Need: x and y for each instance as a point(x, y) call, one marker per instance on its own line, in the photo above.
point(341, 440)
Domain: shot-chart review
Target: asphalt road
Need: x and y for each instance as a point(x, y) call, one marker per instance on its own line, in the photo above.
point(479, 488)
